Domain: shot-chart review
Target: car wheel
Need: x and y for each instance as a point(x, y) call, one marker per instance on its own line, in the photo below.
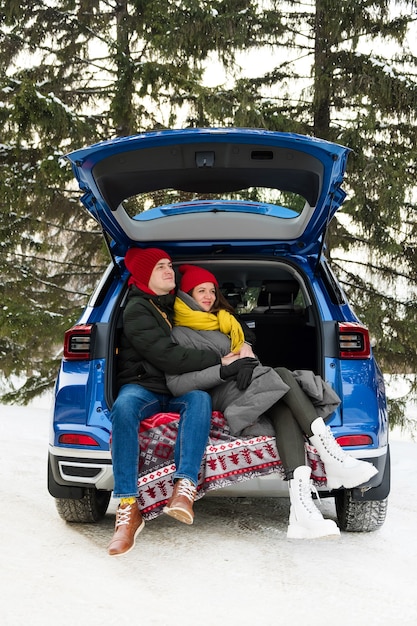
point(357, 516)
point(91, 508)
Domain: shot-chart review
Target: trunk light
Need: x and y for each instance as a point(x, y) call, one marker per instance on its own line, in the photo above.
point(354, 341)
point(75, 439)
point(78, 342)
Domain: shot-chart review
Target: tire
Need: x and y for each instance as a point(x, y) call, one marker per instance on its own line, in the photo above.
point(359, 516)
point(90, 509)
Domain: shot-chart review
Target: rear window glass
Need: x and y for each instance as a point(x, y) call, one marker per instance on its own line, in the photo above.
point(137, 204)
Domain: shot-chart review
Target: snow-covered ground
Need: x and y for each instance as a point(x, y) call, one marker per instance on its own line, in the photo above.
point(234, 566)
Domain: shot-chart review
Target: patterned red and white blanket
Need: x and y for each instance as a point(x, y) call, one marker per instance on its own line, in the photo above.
point(228, 460)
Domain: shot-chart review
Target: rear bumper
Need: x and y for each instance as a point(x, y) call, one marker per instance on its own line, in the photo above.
point(70, 472)
point(379, 486)
point(70, 469)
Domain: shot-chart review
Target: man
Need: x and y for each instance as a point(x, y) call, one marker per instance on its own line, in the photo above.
point(147, 353)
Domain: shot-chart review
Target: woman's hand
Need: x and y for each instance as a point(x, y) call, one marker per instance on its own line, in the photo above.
point(246, 351)
point(230, 358)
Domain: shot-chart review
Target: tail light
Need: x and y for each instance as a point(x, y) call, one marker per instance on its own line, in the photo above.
point(78, 342)
point(77, 439)
point(347, 441)
point(354, 341)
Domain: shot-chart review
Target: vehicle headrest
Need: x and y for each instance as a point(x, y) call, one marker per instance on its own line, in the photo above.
point(276, 292)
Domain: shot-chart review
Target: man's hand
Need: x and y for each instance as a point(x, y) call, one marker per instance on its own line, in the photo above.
point(244, 375)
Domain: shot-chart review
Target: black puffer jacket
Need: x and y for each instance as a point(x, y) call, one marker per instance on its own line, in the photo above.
point(147, 351)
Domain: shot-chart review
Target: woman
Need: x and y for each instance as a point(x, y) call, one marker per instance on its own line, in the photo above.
point(260, 400)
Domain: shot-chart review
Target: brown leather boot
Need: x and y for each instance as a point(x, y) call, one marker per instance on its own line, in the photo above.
point(180, 504)
point(128, 525)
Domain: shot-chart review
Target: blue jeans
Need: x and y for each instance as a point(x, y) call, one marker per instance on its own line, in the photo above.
point(134, 404)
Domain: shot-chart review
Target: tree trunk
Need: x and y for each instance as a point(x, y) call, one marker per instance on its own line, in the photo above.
point(121, 106)
point(322, 71)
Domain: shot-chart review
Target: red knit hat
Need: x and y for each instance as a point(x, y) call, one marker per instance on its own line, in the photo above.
point(141, 263)
point(193, 276)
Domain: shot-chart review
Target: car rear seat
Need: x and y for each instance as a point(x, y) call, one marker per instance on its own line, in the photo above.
point(283, 336)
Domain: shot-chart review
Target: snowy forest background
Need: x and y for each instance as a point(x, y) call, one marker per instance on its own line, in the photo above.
point(73, 72)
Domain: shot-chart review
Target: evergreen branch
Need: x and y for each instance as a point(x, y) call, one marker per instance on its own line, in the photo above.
point(391, 271)
point(58, 262)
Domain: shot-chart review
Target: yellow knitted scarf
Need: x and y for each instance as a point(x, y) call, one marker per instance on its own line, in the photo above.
point(200, 320)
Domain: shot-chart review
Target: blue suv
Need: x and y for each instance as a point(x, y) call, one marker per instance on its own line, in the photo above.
point(253, 207)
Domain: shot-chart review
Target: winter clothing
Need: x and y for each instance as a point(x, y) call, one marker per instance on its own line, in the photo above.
point(308, 396)
point(242, 409)
point(342, 470)
point(224, 321)
point(241, 371)
point(306, 521)
point(325, 400)
point(230, 372)
point(193, 276)
point(180, 504)
point(135, 404)
point(128, 525)
point(245, 411)
point(293, 415)
point(141, 264)
point(147, 351)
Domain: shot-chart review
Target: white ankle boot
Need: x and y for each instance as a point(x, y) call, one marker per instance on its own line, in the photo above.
point(342, 470)
point(306, 521)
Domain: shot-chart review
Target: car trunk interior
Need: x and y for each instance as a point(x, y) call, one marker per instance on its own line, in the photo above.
point(272, 299)
point(275, 305)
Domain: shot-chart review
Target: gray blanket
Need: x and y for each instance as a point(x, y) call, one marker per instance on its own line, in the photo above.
point(245, 410)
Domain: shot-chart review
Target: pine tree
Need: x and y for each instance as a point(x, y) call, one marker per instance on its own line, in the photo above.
point(347, 72)
point(74, 72)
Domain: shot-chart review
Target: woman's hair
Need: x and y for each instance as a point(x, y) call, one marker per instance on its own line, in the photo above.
point(219, 303)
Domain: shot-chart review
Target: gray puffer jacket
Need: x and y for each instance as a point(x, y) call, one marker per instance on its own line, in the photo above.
point(243, 410)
